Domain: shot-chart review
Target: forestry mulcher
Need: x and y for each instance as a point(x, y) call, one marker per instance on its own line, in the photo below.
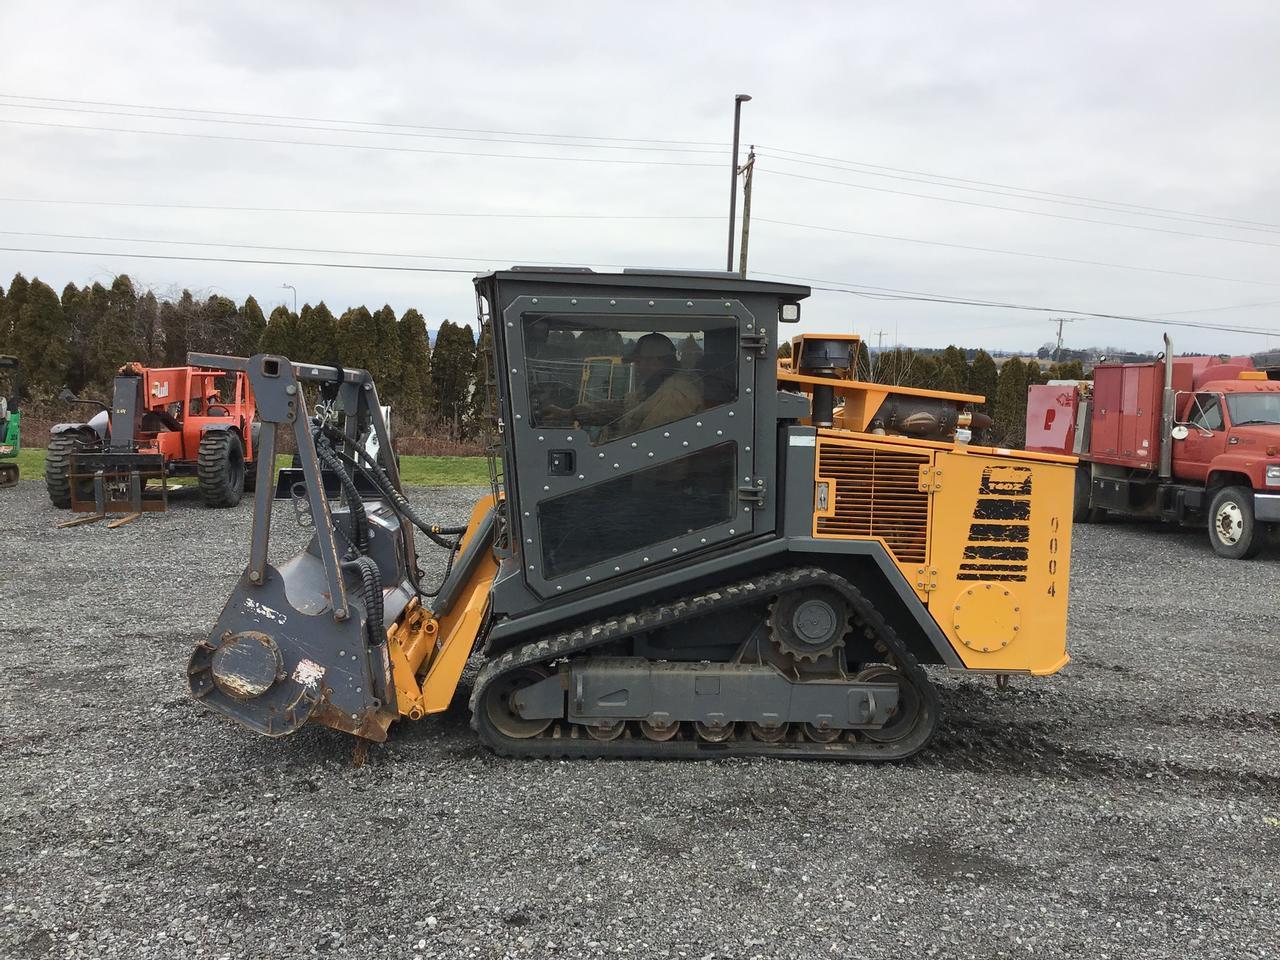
point(699, 554)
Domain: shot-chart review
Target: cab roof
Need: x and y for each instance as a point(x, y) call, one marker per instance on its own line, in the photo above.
point(1240, 386)
point(710, 280)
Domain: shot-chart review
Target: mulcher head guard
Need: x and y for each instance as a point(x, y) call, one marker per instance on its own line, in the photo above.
point(307, 639)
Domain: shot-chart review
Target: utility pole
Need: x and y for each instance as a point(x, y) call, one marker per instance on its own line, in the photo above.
point(738, 101)
point(1057, 354)
point(748, 169)
point(875, 361)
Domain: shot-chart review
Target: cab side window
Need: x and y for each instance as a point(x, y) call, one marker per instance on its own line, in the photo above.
point(619, 376)
point(1206, 412)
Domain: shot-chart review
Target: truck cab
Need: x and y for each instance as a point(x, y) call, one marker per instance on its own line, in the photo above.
point(1188, 440)
point(1227, 428)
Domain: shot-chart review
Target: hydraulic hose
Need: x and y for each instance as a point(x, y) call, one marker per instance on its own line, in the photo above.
point(371, 594)
point(379, 478)
point(359, 519)
point(404, 509)
point(376, 475)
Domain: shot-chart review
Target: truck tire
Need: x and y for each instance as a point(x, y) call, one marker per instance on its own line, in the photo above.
point(220, 465)
point(1080, 505)
point(57, 466)
point(1081, 511)
point(1233, 531)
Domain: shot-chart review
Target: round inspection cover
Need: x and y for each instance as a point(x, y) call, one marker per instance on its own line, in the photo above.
point(987, 617)
point(246, 665)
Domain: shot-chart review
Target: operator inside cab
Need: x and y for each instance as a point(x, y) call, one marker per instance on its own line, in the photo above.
point(663, 393)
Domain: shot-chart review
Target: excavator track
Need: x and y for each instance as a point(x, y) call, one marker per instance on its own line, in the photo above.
point(564, 739)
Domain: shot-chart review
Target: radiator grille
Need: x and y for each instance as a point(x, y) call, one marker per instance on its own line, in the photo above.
point(877, 494)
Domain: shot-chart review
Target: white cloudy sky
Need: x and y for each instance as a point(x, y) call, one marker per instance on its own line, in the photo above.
point(1166, 105)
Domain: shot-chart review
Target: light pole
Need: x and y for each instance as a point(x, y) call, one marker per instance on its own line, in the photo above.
point(289, 286)
point(738, 101)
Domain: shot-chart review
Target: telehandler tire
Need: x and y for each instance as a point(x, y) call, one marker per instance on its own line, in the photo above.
point(251, 466)
point(57, 468)
point(220, 465)
point(1233, 530)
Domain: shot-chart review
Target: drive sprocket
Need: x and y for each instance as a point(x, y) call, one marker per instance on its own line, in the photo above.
point(809, 624)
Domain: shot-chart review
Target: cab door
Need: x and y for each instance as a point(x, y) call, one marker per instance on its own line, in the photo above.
point(632, 425)
point(1205, 440)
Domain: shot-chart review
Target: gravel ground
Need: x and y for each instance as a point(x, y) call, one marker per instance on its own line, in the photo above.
point(1129, 807)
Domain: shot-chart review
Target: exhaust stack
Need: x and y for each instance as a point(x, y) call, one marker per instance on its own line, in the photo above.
point(1167, 413)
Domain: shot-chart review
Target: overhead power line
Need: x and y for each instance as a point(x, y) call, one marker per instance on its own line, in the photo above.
point(365, 123)
point(1230, 306)
point(1015, 253)
point(601, 217)
point(888, 293)
point(282, 249)
point(278, 125)
point(381, 253)
point(369, 213)
point(1036, 213)
point(249, 260)
point(833, 286)
point(779, 153)
point(356, 146)
point(836, 163)
point(1264, 228)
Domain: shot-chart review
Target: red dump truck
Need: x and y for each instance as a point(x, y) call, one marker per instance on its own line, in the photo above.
point(1184, 439)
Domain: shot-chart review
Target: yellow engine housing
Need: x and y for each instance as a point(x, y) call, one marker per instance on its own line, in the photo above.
point(983, 536)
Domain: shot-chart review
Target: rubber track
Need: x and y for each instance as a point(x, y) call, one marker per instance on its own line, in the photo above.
point(558, 646)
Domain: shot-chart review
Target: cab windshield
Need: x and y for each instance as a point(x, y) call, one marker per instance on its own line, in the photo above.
point(1247, 408)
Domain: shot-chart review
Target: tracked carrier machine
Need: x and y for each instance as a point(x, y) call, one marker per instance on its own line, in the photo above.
point(688, 549)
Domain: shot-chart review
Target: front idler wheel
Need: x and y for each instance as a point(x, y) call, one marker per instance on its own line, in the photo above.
point(500, 710)
point(906, 715)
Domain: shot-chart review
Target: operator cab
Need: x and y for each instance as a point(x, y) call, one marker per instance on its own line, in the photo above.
point(638, 417)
